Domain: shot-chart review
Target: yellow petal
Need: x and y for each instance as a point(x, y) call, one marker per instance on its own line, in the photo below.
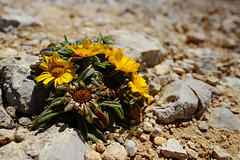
point(55, 83)
point(42, 77)
point(46, 81)
point(44, 66)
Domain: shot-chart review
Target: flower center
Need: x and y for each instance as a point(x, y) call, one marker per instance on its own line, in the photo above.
point(82, 95)
point(57, 71)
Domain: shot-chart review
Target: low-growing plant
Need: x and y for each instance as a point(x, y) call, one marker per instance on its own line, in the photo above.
point(91, 85)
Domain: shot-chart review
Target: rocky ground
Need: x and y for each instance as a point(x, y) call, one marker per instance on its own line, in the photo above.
point(190, 55)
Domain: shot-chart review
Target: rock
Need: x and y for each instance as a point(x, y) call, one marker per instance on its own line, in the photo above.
point(114, 151)
point(202, 126)
point(5, 52)
point(53, 142)
point(6, 136)
point(5, 120)
point(17, 18)
point(130, 147)
point(19, 84)
point(156, 131)
point(232, 82)
point(206, 65)
point(143, 137)
point(201, 52)
point(100, 146)
point(204, 93)
point(162, 69)
point(147, 127)
point(25, 121)
point(224, 118)
point(159, 141)
point(145, 49)
point(192, 155)
point(11, 111)
point(220, 154)
point(183, 100)
point(153, 82)
point(173, 149)
point(178, 102)
point(196, 37)
point(20, 135)
point(92, 155)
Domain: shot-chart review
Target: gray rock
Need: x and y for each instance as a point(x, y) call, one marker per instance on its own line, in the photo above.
point(57, 142)
point(115, 151)
point(24, 121)
point(183, 100)
point(153, 82)
point(204, 93)
point(17, 18)
point(156, 131)
point(206, 65)
point(19, 84)
point(6, 136)
point(173, 149)
point(202, 126)
point(5, 120)
point(147, 127)
point(130, 147)
point(220, 154)
point(224, 118)
point(141, 47)
point(232, 82)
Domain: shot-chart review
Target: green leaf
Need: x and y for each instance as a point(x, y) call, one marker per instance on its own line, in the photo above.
point(86, 73)
point(93, 137)
point(119, 112)
point(97, 133)
point(89, 116)
point(111, 104)
point(82, 125)
point(65, 39)
point(49, 116)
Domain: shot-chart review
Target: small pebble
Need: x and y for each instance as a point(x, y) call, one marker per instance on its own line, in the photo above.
point(130, 147)
point(147, 127)
point(92, 155)
point(143, 137)
point(156, 131)
point(11, 111)
point(25, 121)
point(100, 146)
point(202, 126)
point(159, 141)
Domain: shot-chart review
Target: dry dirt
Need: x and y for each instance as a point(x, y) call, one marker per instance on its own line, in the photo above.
point(167, 20)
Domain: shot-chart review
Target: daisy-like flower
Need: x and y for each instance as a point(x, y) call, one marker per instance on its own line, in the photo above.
point(138, 84)
point(123, 63)
point(56, 70)
point(81, 98)
point(87, 50)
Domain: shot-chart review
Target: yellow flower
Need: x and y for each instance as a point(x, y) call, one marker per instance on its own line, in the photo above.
point(138, 84)
point(123, 63)
point(57, 70)
point(110, 51)
point(87, 50)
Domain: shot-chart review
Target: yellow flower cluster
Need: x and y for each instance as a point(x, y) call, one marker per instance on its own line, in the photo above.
point(63, 72)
